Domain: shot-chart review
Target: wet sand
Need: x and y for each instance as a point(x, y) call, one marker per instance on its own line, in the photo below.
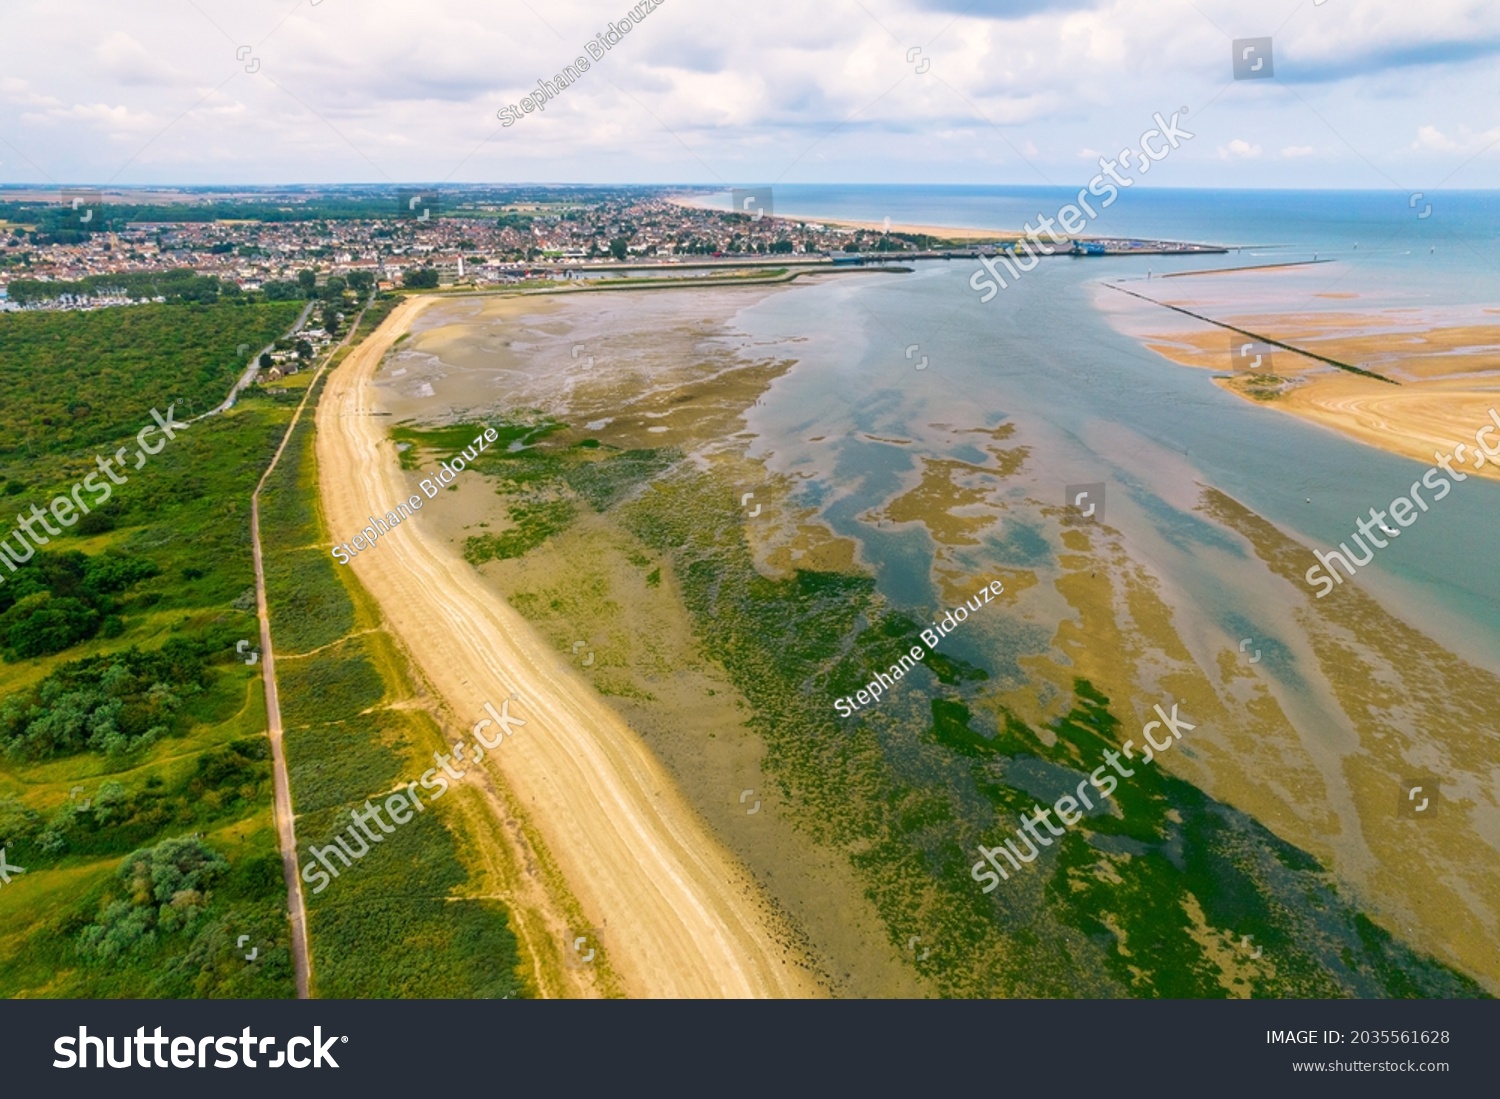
point(1318, 765)
point(650, 370)
point(1448, 368)
point(678, 916)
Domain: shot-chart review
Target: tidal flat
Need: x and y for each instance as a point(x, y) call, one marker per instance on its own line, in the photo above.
point(722, 559)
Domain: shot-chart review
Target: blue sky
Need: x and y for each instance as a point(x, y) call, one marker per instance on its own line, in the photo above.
point(1365, 93)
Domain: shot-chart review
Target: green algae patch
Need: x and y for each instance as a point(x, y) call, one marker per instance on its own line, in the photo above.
point(1164, 893)
point(1159, 891)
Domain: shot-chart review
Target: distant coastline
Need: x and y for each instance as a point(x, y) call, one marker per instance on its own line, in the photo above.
point(946, 232)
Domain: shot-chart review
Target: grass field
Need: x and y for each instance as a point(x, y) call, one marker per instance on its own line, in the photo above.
point(134, 769)
point(75, 380)
point(142, 726)
point(422, 914)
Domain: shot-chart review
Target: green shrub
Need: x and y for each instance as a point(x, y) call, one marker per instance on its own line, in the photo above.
point(166, 891)
point(115, 703)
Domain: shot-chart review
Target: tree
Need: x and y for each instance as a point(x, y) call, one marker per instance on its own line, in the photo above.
point(619, 248)
point(266, 362)
point(166, 890)
point(41, 625)
point(115, 703)
point(307, 281)
point(361, 281)
point(159, 873)
point(304, 349)
point(423, 278)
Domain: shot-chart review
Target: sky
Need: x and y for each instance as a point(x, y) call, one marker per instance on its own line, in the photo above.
point(1363, 93)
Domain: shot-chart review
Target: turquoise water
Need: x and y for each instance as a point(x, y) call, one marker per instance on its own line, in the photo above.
point(1463, 226)
point(1096, 406)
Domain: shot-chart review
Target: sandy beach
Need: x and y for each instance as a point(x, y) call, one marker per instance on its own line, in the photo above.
point(1448, 370)
point(1417, 422)
point(677, 916)
point(651, 714)
point(946, 232)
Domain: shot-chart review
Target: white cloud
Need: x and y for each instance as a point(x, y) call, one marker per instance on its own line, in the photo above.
point(113, 118)
point(1239, 149)
point(15, 90)
point(125, 59)
point(1430, 137)
point(699, 92)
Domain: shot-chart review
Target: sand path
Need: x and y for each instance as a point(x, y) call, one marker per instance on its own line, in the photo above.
point(678, 916)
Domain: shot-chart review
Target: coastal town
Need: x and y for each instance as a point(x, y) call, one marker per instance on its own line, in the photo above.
point(87, 249)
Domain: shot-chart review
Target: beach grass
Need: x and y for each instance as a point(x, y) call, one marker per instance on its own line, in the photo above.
point(405, 920)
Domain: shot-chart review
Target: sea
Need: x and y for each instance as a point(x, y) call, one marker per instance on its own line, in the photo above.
point(897, 381)
point(889, 364)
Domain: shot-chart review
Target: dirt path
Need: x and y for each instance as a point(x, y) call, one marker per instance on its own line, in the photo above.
point(285, 819)
point(248, 377)
point(677, 915)
point(286, 831)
